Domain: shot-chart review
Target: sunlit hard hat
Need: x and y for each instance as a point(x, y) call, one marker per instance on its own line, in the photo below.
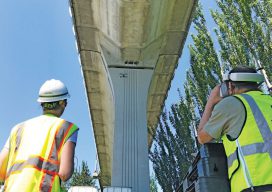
point(53, 90)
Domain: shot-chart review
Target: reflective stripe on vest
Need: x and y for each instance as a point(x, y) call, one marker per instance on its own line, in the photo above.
point(18, 137)
point(249, 160)
point(49, 169)
point(37, 163)
point(59, 139)
point(264, 129)
point(48, 166)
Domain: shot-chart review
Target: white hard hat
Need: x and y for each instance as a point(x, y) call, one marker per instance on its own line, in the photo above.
point(53, 90)
point(248, 77)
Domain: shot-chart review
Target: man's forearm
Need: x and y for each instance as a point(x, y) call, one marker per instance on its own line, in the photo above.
point(203, 136)
point(214, 98)
point(67, 161)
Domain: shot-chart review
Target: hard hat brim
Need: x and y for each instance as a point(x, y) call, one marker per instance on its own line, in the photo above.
point(44, 99)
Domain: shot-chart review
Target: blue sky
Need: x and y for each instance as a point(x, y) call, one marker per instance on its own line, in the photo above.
point(184, 60)
point(37, 44)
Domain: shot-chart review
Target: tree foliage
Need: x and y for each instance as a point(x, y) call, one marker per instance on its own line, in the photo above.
point(169, 159)
point(242, 37)
point(82, 177)
point(244, 32)
point(153, 184)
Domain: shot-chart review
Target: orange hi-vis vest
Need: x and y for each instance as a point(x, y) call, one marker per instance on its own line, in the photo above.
point(34, 155)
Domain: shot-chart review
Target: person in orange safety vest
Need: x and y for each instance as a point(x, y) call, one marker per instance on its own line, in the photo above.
point(39, 152)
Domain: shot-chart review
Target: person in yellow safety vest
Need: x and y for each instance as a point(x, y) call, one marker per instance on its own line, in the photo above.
point(242, 116)
point(39, 153)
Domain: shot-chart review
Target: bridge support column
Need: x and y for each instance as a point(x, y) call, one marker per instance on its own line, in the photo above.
point(130, 166)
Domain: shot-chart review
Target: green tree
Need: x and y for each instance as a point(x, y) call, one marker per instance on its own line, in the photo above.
point(244, 32)
point(153, 184)
point(169, 159)
point(80, 177)
point(205, 70)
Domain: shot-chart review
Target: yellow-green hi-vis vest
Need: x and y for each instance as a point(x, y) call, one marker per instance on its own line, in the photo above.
point(34, 157)
point(250, 155)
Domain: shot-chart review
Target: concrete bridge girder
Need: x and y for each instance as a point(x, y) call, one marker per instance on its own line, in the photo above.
point(136, 34)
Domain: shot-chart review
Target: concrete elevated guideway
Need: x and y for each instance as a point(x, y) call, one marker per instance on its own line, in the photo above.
point(129, 50)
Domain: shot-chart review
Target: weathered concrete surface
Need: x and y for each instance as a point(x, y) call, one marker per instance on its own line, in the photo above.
point(138, 34)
